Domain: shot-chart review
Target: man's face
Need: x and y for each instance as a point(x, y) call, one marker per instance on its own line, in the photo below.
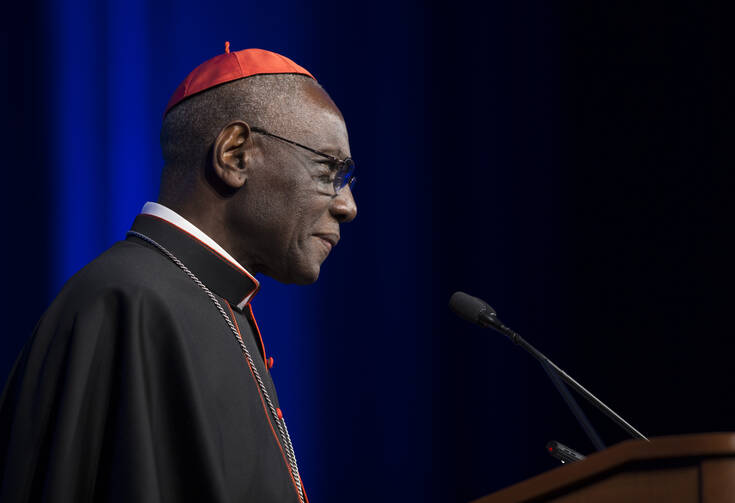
point(287, 221)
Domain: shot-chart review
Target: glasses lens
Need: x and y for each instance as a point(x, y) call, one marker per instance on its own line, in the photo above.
point(345, 175)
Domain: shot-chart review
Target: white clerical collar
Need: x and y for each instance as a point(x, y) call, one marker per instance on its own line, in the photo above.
point(161, 211)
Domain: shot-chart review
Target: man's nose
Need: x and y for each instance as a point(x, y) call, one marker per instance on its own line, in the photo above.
point(343, 206)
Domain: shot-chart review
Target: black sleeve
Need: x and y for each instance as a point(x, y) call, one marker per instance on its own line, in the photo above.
point(103, 405)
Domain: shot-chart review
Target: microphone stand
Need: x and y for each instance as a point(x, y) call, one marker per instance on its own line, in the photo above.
point(490, 320)
point(575, 408)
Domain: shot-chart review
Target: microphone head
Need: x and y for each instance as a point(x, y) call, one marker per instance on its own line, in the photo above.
point(471, 308)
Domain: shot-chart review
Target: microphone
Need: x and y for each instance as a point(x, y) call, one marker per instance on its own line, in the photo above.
point(472, 309)
point(478, 311)
point(563, 453)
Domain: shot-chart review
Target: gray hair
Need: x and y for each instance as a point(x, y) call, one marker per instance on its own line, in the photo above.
point(190, 127)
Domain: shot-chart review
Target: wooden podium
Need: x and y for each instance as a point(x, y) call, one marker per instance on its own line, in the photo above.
point(680, 469)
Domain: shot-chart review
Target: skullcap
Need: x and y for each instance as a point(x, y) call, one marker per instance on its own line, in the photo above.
point(232, 66)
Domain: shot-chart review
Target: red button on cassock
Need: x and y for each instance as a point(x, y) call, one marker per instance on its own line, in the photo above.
point(270, 363)
point(279, 413)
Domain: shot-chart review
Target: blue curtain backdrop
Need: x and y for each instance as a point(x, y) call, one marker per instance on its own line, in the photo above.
point(565, 161)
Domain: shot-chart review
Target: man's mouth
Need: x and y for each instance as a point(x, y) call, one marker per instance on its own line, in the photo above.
point(328, 240)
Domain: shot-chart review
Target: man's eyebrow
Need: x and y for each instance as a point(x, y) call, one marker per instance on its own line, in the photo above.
point(334, 151)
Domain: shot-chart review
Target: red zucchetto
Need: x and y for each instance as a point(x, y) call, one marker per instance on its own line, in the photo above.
point(232, 66)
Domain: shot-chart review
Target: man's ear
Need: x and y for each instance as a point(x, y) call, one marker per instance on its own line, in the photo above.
point(231, 154)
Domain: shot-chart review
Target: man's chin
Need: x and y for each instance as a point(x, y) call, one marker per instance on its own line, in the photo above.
point(306, 280)
point(299, 277)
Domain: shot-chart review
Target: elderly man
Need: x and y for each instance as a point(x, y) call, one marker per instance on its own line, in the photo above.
point(147, 379)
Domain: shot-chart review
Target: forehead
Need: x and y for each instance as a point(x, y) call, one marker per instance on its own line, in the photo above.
point(316, 121)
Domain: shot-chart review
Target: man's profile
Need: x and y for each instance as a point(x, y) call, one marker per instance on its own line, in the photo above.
point(146, 379)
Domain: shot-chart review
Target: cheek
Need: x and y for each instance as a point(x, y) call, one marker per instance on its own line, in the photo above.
point(307, 214)
point(304, 218)
point(289, 211)
point(290, 219)
point(276, 202)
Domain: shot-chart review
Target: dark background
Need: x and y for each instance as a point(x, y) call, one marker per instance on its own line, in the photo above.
point(569, 162)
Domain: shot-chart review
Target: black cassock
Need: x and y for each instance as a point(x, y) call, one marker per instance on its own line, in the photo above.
point(133, 387)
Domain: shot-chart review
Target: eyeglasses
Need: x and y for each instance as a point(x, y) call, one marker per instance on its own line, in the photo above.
point(340, 175)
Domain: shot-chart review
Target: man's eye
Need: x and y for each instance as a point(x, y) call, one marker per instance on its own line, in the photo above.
point(327, 173)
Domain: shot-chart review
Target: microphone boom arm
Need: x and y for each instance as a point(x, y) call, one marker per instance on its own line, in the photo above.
point(493, 322)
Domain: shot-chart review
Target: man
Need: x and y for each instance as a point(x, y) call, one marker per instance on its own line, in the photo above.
point(146, 380)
